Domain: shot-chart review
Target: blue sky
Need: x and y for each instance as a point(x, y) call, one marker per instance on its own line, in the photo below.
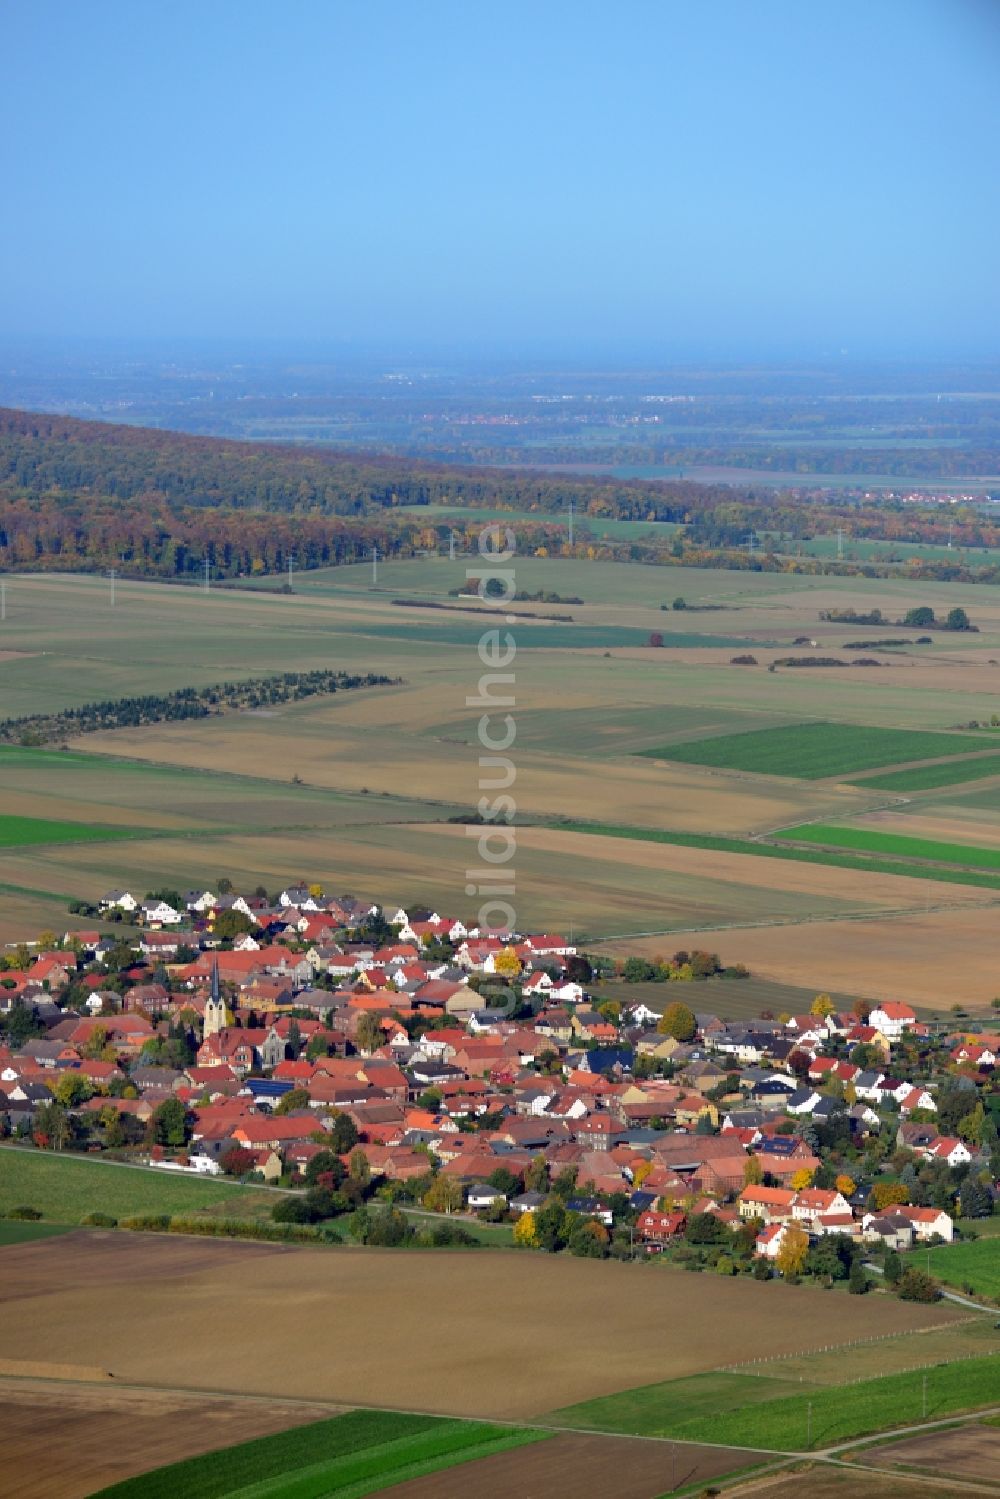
point(722, 177)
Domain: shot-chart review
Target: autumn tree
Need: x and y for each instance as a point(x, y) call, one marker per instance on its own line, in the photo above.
point(368, 1035)
point(845, 1185)
point(444, 1195)
point(791, 1257)
point(507, 964)
point(801, 1179)
point(678, 1021)
point(295, 1098)
point(822, 1006)
point(753, 1171)
point(525, 1233)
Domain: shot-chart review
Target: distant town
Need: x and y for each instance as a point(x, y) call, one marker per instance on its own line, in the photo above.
point(404, 1076)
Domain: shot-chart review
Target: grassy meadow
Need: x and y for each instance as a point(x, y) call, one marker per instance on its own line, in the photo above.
point(65, 1188)
point(357, 790)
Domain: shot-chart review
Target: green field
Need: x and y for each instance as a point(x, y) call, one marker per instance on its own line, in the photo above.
point(12, 1231)
point(870, 840)
point(29, 832)
point(362, 1452)
point(748, 1410)
point(813, 751)
point(64, 1188)
point(927, 777)
point(764, 850)
point(975, 1263)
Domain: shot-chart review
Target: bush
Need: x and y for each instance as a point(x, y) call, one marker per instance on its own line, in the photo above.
point(149, 1223)
point(25, 1214)
point(99, 1220)
point(917, 1285)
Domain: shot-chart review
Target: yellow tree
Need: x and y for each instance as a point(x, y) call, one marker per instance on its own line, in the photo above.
point(845, 1185)
point(801, 1179)
point(822, 1006)
point(444, 1195)
point(791, 1257)
point(525, 1232)
point(507, 964)
point(640, 1172)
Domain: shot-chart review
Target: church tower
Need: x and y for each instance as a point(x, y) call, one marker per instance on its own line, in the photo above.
point(215, 1007)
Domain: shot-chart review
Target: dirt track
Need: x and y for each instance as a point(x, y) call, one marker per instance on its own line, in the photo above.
point(64, 1442)
point(971, 1452)
point(578, 1467)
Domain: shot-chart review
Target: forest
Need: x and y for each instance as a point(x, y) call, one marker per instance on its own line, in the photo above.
point(81, 496)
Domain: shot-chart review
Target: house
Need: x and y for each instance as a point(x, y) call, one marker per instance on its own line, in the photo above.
point(950, 1149)
point(527, 1202)
point(484, 1196)
point(119, 900)
point(814, 1202)
point(157, 913)
point(772, 1204)
point(928, 1222)
point(656, 1229)
point(890, 1229)
point(769, 1241)
point(891, 1019)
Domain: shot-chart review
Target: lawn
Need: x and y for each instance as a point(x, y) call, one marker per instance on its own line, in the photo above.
point(747, 1410)
point(975, 1263)
point(813, 751)
point(65, 1188)
point(12, 1231)
point(25, 832)
point(362, 1452)
point(870, 840)
point(927, 777)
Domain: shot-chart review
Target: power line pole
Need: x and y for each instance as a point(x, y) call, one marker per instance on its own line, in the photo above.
point(840, 544)
point(375, 566)
point(809, 1425)
point(571, 525)
point(751, 541)
point(208, 571)
point(925, 1397)
point(112, 588)
point(291, 564)
point(451, 546)
point(3, 601)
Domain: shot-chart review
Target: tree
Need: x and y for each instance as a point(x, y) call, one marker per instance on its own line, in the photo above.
point(237, 1161)
point(705, 1228)
point(801, 1179)
point(656, 640)
point(678, 1021)
point(72, 1089)
point(753, 1171)
point(444, 1195)
point(525, 1234)
point(507, 964)
point(51, 1128)
point(917, 1285)
point(893, 1267)
point(888, 1194)
point(921, 618)
point(343, 1134)
point(295, 1098)
point(857, 1280)
point(326, 1167)
point(845, 1185)
point(799, 1063)
point(822, 1006)
point(551, 1227)
point(231, 924)
point(957, 619)
point(976, 1199)
point(170, 1124)
point(536, 1175)
point(358, 1168)
point(589, 1240)
point(791, 1257)
point(970, 1126)
point(368, 1035)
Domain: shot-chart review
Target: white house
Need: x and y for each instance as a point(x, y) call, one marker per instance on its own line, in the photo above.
point(929, 1221)
point(891, 1019)
point(159, 913)
point(120, 900)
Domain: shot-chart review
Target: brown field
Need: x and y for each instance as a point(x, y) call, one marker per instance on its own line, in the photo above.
point(956, 825)
point(579, 1467)
point(815, 1482)
point(933, 958)
point(64, 1442)
point(968, 1451)
point(351, 1326)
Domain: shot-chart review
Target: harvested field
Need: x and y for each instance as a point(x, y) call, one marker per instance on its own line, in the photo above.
point(330, 1341)
point(914, 956)
point(580, 1467)
point(971, 1452)
point(64, 1442)
point(837, 1483)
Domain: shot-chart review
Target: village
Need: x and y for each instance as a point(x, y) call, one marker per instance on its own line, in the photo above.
point(404, 1073)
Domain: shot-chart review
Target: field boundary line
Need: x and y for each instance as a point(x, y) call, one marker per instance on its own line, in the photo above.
point(880, 1337)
